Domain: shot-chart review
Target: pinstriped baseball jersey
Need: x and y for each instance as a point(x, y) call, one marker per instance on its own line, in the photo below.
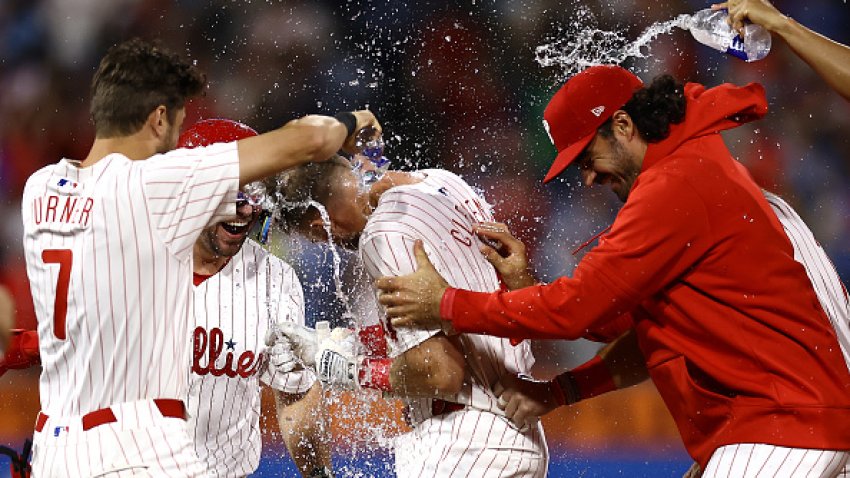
point(441, 211)
point(233, 309)
point(831, 292)
point(109, 258)
point(755, 460)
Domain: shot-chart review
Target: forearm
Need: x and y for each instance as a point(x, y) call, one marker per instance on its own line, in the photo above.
point(434, 368)
point(624, 360)
point(303, 429)
point(829, 59)
point(620, 364)
point(300, 141)
point(565, 309)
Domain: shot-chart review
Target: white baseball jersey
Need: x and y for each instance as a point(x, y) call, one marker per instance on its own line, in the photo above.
point(478, 440)
point(109, 258)
point(831, 292)
point(748, 460)
point(233, 310)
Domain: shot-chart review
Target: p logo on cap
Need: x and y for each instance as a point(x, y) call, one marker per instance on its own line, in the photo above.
point(581, 106)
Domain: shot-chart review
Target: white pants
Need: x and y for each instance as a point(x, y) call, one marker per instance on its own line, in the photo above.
point(471, 443)
point(749, 460)
point(140, 443)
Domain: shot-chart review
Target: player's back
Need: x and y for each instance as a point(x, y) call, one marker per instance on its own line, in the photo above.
point(825, 280)
point(108, 252)
point(441, 211)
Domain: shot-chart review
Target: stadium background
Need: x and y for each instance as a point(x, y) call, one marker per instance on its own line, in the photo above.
point(455, 85)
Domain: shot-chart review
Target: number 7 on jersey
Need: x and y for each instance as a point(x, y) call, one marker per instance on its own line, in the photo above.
point(63, 257)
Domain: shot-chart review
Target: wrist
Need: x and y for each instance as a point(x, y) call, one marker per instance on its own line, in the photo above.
point(445, 310)
point(374, 373)
point(348, 119)
point(558, 393)
point(586, 381)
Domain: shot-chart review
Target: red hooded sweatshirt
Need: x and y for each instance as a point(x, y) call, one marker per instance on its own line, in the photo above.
point(732, 331)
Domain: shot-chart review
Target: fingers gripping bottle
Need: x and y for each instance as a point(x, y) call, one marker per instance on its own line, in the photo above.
point(370, 164)
point(709, 27)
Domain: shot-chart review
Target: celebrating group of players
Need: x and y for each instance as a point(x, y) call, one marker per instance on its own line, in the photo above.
point(158, 317)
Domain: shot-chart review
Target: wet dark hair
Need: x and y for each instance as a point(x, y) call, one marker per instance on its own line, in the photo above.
point(297, 187)
point(133, 79)
point(654, 108)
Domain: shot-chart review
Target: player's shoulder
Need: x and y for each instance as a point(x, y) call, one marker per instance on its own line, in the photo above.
point(438, 187)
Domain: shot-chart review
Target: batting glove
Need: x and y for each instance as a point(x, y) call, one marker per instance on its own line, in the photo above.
point(282, 358)
point(336, 360)
point(303, 341)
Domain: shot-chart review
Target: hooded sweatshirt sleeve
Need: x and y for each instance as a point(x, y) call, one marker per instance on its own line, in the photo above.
point(658, 235)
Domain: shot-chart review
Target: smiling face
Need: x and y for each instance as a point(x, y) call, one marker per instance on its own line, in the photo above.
point(224, 239)
point(614, 159)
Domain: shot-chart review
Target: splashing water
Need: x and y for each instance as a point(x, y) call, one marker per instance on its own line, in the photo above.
point(348, 315)
point(591, 47)
point(355, 407)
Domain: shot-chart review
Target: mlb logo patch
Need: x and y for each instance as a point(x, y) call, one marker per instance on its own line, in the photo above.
point(65, 182)
point(58, 430)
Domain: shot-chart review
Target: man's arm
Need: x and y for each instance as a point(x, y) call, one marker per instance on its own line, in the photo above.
point(829, 59)
point(619, 364)
point(434, 368)
point(302, 423)
point(658, 234)
point(308, 139)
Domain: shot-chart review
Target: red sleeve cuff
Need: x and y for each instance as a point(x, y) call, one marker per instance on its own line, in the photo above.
point(447, 304)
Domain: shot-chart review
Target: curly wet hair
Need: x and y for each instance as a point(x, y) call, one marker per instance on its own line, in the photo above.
point(133, 79)
point(654, 108)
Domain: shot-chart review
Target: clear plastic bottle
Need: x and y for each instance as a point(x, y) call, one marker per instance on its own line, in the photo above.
point(709, 27)
point(370, 142)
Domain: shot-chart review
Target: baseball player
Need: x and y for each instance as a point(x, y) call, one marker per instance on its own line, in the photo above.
point(445, 383)
point(108, 245)
point(730, 325)
point(240, 289)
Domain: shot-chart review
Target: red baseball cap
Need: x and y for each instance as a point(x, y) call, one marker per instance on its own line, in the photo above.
point(217, 130)
point(581, 106)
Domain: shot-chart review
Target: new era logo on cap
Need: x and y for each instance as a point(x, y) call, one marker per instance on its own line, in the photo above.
point(581, 106)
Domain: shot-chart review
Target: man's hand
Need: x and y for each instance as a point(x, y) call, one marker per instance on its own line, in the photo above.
point(414, 300)
point(302, 340)
point(365, 119)
point(506, 253)
point(279, 348)
point(760, 12)
point(525, 401)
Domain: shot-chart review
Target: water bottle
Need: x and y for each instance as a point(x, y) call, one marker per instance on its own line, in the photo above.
point(709, 27)
point(370, 143)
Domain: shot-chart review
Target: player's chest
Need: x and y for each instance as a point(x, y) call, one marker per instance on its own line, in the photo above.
point(231, 319)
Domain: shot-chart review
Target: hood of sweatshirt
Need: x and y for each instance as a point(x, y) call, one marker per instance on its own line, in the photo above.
point(710, 111)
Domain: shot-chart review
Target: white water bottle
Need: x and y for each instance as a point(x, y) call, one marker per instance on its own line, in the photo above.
point(709, 27)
